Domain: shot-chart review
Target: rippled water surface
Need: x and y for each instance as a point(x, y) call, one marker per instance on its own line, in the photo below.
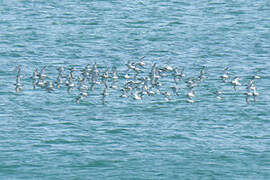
point(48, 136)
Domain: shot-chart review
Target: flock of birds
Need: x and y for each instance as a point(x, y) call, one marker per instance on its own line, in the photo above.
point(135, 82)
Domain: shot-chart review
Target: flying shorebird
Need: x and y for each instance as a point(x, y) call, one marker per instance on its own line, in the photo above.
point(235, 82)
point(225, 75)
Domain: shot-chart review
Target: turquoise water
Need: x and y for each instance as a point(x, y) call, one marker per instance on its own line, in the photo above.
point(48, 136)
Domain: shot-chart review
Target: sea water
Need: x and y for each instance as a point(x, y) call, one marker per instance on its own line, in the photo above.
point(48, 136)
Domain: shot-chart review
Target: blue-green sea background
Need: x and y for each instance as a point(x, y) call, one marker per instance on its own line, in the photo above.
point(48, 136)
